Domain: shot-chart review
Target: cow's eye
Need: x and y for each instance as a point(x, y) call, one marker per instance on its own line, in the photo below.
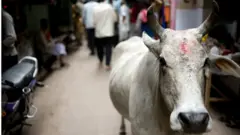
point(162, 61)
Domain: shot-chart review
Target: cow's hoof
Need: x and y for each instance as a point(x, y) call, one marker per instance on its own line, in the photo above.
point(122, 133)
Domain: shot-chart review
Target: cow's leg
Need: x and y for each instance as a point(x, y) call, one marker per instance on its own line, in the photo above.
point(122, 127)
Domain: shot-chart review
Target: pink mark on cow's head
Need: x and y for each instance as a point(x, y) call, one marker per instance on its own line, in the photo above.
point(184, 47)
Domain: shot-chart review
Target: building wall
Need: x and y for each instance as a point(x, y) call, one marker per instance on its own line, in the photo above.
point(232, 29)
point(188, 15)
point(173, 14)
point(60, 15)
point(188, 18)
point(34, 13)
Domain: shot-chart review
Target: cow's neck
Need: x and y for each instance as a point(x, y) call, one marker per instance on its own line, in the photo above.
point(160, 110)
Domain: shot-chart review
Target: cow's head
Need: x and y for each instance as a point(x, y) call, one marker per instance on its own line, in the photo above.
point(184, 66)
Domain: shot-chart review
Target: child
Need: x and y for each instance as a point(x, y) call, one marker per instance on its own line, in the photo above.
point(60, 52)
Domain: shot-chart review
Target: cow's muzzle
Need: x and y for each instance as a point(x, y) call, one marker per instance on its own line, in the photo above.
point(193, 122)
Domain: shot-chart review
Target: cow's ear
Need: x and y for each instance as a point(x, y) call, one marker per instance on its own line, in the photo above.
point(224, 66)
point(152, 44)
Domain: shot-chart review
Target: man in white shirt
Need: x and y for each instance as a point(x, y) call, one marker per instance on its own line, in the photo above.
point(104, 19)
point(88, 23)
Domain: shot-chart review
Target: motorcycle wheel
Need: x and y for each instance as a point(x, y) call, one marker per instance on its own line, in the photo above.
point(17, 132)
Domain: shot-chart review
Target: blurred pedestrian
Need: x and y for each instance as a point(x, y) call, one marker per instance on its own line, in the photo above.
point(161, 15)
point(220, 49)
point(88, 23)
point(78, 28)
point(9, 51)
point(142, 21)
point(133, 18)
point(124, 22)
point(60, 52)
point(59, 49)
point(79, 7)
point(116, 5)
point(104, 19)
point(216, 49)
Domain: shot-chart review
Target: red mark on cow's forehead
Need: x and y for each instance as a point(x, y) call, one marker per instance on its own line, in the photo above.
point(184, 47)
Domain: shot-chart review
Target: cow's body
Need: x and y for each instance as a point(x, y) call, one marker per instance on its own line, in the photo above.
point(126, 86)
point(127, 59)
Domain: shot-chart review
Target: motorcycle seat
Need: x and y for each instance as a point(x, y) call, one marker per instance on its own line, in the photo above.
point(19, 75)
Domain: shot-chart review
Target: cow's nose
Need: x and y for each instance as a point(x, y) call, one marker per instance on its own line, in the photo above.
point(194, 122)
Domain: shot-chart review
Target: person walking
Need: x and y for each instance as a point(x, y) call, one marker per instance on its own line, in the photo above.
point(88, 23)
point(79, 7)
point(133, 18)
point(104, 18)
point(116, 6)
point(124, 22)
point(78, 29)
point(142, 21)
point(9, 51)
point(80, 35)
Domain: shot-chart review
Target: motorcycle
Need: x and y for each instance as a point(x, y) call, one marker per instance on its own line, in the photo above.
point(18, 84)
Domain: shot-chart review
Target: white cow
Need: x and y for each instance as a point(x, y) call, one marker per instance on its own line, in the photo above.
point(158, 85)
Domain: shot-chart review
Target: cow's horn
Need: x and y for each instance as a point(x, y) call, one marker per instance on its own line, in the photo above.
point(152, 21)
point(210, 21)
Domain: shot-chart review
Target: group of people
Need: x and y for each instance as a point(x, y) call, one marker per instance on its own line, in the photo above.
point(47, 50)
point(101, 18)
point(103, 22)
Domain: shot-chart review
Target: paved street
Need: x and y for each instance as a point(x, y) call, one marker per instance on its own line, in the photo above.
point(76, 102)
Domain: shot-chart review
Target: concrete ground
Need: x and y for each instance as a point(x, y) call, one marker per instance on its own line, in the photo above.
point(76, 102)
